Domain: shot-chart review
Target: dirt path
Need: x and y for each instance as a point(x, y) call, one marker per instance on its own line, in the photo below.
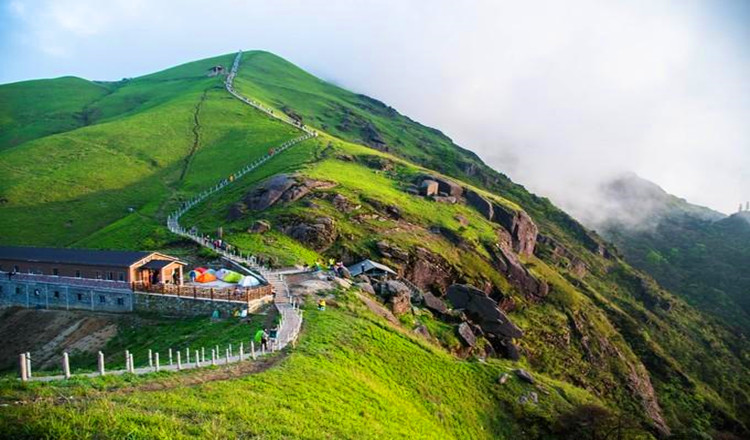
point(196, 136)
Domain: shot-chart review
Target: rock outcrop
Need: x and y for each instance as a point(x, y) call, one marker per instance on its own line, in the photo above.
point(428, 188)
point(518, 275)
point(434, 304)
point(318, 233)
point(281, 188)
point(523, 230)
point(260, 227)
point(467, 336)
point(399, 296)
point(483, 311)
point(480, 204)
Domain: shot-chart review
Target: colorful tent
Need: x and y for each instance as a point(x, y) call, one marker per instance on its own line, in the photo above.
point(249, 281)
point(232, 277)
point(205, 278)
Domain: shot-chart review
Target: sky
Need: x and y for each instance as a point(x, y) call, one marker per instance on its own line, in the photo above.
point(560, 96)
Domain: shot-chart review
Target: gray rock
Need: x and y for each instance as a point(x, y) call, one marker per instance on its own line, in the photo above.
point(524, 375)
point(467, 336)
point(483, 310)
point(503, 378)
point(434, 303)
point(366, 287)
point(260, 226)
point(480, 204)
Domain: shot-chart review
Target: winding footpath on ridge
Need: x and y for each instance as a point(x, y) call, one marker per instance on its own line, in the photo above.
point(291, 316)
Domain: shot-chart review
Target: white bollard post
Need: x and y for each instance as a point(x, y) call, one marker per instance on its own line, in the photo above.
point(197, 358)
point(66, 365)
point(170, 357)
point(203, 354)
point(242, 352)
point(150, 358)
point(156, 360)
point(262, 349)
point(28, 364)
point(227, 355)
point(187, 356)
point(230, 350)
point(127, 361)
point(213, 356)
point(132, 364)
point(252, 349)
point(22, 367)
point(179, 361)
point(101, 363)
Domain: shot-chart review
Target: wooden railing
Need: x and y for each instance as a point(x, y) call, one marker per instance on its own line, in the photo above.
point(233, 294)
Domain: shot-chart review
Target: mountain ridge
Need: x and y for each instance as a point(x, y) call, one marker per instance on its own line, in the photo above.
point(584, 326)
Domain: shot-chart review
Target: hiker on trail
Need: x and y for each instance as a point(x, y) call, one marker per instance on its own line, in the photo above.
point(264, 339)
point(321, 304)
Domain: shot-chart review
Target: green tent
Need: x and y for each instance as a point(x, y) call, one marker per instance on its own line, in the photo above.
point(232, 277)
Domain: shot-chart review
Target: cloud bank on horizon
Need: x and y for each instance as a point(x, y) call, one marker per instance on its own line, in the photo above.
point(561, 96)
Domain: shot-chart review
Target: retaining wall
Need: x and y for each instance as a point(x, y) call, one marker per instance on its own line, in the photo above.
point(49, 295)
point(166, 305)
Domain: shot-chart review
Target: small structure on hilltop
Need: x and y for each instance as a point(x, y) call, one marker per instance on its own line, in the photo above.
point(372, 269)
point(216, 70)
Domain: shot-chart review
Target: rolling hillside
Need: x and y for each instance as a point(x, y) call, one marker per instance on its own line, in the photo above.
point(584, 316)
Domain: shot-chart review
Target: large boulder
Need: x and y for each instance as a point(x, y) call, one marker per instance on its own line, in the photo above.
point(467, 336)
point(479, 203)
point(483, 310)
point(518, 275)
point(428, 188)
point(281, 188)
point(318, 234)
point(449, 187)
point(260, 227)
point(400, 302)
point(522, 229)
point(434, 303)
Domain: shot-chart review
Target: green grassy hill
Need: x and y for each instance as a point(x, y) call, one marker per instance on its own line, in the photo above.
point(589, 319)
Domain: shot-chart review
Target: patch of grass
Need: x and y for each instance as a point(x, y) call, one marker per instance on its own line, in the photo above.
point(351, 376)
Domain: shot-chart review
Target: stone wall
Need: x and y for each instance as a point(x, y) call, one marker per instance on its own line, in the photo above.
point(167, 305)
point(49, 295)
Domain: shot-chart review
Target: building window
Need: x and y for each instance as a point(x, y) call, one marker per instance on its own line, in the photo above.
point(80, 297)
point(102, 299)
point(55, 272)
point(111, 276)
point(78, 274)
point(120, 302)
point(56, 294)
point(122, 276)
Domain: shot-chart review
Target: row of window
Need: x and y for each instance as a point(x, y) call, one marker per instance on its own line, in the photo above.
point(79, 296)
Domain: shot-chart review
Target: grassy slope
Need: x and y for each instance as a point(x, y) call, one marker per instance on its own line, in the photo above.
point(73, 184)
point(34, 109)
point(367, 379)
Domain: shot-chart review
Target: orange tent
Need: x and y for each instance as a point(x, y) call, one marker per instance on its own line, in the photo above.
point(205, 278)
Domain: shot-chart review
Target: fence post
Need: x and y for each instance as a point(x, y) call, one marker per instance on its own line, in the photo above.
point(231, 353)
point(22, 366)
point(170, 356)
point(187, 355)
point(127, 361)
point(226, 350)
point(150, 358)
point(213, 356)
point(242, 351)
point(203, 354)
point(101, 363)
point(179, 360)
point(132, 364)
point(66, 365)
point(28, 364)
point(197, 359)
point(156, 359)
point(212, 294)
